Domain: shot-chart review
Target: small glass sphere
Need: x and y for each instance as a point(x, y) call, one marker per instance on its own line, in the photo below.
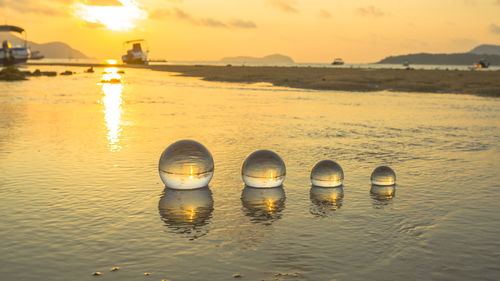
point(327, 173)
point(383, 175)
point(263, 169)
point(186, 164)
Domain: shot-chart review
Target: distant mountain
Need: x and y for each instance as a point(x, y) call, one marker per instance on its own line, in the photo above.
point(443, 59)
point(56, 50)
point(276, 58)
point(491, 53)
point(486, 50)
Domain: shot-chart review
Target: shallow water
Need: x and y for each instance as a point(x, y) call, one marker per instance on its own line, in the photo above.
point(81, 192)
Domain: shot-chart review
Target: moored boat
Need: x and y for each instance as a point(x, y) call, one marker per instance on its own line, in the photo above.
point(13, 54)
point(337, 61)
point(136, 54)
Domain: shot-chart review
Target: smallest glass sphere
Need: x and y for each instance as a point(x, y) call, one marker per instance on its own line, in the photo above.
point(383, 175)
point(327, 173)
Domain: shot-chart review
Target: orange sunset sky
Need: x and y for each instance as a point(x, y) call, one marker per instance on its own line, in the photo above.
point(306, 30)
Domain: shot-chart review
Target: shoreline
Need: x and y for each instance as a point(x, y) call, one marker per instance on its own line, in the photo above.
point(479, 83)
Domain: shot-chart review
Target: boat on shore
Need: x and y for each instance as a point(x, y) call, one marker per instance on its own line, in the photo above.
point(338, 61)
point(136, 53)
point(482, 63)
point(13, 54)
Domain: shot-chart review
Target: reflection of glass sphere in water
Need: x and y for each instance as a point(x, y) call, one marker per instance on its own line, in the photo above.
point(326, 195)
point(383, 175)
point(325, 200)
point(186, 208)
point(327, 173)
point(383, 192)
point(263, 204)
point(186, 164)
point(263, 168)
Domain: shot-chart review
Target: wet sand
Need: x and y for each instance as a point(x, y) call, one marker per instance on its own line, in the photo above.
point(481, 83)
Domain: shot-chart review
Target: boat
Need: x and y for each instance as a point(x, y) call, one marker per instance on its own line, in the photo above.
point(406, 63)
point(337, 61)
point(135, 53)
point(36, 55)
point(13, 54)
point(482, 63)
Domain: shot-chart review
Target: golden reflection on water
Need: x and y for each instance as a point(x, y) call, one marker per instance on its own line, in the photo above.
point(112, 101)
point(263, 204)
point(325, 200)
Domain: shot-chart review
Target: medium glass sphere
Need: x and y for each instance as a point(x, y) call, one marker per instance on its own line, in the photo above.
point(186, 164)
point(263, 169)
point(383, 175)
point(327, 173)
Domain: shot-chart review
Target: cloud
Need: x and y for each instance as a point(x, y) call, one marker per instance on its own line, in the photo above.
point(212, 22)
point(324, 14)
point(242, 24)
point(180, 14)
point(495, 28)
point(284, 5)
point(370, 11)
point(27, 6)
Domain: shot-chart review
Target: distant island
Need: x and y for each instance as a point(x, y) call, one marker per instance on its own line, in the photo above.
point(491, 53)
point(53, 50)
point(276, 58)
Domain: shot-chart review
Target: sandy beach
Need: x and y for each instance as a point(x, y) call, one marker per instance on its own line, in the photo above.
point(481, 83)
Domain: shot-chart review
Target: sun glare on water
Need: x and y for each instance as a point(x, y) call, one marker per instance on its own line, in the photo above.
point(117, 18)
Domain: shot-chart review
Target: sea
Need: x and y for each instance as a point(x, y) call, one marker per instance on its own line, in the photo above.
point(82, 198)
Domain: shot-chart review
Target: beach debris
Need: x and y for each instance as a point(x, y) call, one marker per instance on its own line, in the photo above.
point(291, 274)
point(97, 273)
point(147, 273)
point(237, 275)
point(11, 73)
point(115, 268)
point(67, 72)
point(121, 71)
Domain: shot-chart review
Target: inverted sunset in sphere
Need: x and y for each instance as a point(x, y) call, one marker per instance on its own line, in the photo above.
point(327, 173)
point(263, 169)
point(186, 164)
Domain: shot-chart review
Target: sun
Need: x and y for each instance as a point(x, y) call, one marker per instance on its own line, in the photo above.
point(117, 18)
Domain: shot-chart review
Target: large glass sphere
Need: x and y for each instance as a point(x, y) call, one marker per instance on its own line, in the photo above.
point(327, 173)
point(263, 169)
point(383, 175)
point(186, 164)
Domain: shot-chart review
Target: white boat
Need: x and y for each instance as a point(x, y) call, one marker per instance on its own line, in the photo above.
point(12, 54)
point(337, 61)
point(137, 54)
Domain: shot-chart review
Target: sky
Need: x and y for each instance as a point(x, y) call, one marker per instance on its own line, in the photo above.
point(359, 31)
